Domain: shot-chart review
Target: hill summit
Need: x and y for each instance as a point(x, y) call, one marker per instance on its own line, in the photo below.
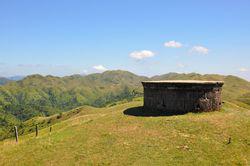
point(116, 136)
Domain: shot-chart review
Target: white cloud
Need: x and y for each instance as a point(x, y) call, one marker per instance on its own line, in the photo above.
point(199, 50)
point(242, 69)
point(173, 44)
point(100, 68)
point(181, 65)
point(85, 72)
point(141, 54)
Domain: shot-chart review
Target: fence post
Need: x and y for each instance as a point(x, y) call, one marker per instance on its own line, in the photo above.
point(36, 130)
point(229, 140)
point(16, 133)
point(50, 129)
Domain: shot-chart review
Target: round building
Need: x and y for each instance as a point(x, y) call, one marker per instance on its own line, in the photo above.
point(182, 96)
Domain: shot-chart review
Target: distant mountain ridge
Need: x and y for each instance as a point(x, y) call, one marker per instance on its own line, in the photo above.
point(37, 95)
point(4, 80)
point(16, 78)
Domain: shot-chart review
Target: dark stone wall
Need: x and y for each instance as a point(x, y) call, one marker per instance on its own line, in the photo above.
point(182, 98)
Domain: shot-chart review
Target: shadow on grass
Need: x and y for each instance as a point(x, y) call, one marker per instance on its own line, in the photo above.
point(141, 111)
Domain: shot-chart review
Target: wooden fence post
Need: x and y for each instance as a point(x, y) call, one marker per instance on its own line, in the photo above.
point(229, 140)
point(16, 133)
point(36, 130)
point(50, 129)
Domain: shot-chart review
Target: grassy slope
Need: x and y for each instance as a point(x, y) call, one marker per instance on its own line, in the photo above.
point(107, 136)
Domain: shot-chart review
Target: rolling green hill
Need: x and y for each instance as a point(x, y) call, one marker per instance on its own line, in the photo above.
point(112, 136)
point(41, 96)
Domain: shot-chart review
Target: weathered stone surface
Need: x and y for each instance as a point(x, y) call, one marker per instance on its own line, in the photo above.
point(179, 97)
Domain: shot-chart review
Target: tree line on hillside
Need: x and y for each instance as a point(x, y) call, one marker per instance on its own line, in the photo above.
point(25, 105)
point(16, 108)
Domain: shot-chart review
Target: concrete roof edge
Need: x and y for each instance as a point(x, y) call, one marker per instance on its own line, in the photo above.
point(183, 82)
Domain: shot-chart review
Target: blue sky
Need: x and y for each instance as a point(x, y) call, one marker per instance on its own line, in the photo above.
point(147, 37)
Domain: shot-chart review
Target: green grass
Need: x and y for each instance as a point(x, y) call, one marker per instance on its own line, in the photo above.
point(105, 136)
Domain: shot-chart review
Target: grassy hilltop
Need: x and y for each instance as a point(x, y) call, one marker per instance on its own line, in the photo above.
point(112, 135)
point(39, 96)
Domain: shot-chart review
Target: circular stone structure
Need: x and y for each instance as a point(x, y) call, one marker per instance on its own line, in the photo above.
point(182, 96)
